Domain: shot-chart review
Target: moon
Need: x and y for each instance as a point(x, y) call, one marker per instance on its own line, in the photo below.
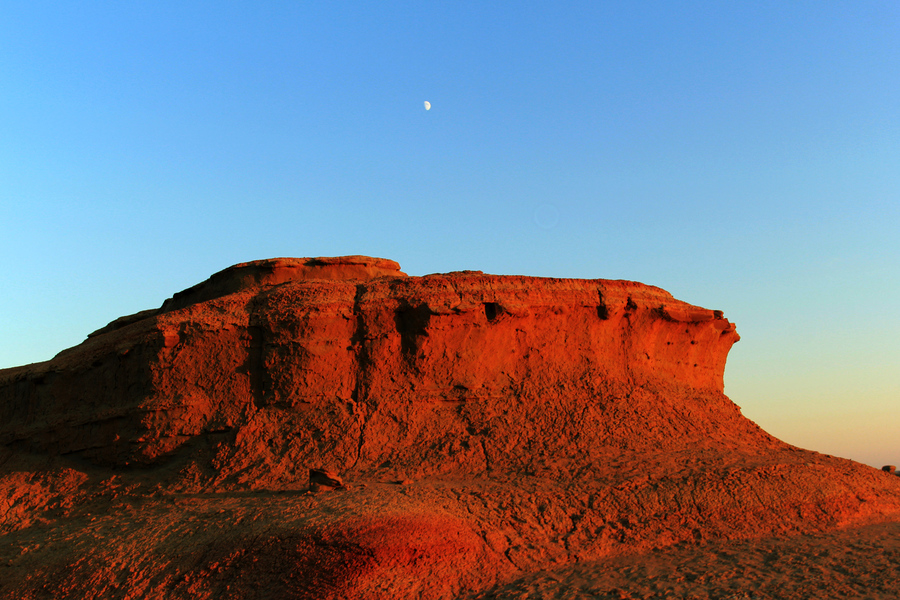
point(427, 105)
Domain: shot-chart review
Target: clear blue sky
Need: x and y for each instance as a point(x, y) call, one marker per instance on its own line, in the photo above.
point(744, 156)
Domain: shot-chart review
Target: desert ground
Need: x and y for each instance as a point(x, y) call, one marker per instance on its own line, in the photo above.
point(244, 545)
point(858, 562)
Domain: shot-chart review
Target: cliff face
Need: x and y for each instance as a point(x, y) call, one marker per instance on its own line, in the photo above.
point(540, 421)
point(358, 364)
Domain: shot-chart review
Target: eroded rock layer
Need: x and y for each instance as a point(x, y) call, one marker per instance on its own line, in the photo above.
point(532, 422)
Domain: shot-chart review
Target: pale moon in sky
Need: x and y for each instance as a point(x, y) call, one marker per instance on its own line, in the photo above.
point(427, 105)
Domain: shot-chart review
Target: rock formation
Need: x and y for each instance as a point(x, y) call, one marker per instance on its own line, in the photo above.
point(535, 422)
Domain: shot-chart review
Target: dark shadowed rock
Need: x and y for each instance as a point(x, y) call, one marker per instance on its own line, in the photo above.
point(323, 479)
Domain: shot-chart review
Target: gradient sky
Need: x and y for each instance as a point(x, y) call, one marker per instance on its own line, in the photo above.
point(744, 156)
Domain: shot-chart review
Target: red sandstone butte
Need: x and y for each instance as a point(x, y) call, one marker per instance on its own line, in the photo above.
point(533, 422)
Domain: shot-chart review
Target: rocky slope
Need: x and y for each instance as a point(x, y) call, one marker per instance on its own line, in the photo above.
point(484, 427)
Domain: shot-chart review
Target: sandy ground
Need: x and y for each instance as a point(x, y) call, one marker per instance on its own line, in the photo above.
point(854, 563)
point(125, 537)
point(118, 542)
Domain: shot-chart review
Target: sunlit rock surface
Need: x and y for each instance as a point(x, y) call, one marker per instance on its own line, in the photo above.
point(476, 428)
